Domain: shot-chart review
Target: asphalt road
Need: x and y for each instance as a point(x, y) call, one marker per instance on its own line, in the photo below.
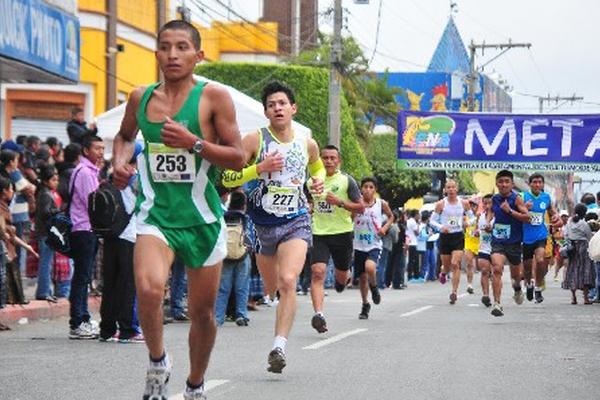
point(414, 346)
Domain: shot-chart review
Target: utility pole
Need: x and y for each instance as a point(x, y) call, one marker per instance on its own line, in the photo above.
point(295, 28)
point(556, 99)
point(473, 77)
point(111, 54)
point(334, 123)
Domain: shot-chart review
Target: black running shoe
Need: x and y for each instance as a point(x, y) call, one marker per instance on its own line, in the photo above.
point(364, 313)
point(497, 311)
point(318, 322)
point(529, 293)
point(375, 295)
point(276, 361)
point(453, 298)
point(470, 290)
point(538, 296)
point(486, 301)
point(339, 287)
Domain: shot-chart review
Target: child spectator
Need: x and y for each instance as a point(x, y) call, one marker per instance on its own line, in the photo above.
point(236, 267)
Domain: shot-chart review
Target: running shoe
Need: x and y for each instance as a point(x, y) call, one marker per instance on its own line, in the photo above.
point(364, 313)
point(137, 338)
point(470, 290)
point(529, 292)
point(84, 331)
point(183, 317)
point(241, 321)
point(375, 295)
point(497, 311)
point(318, 322)
point(157, 379)
point(194, 394)
point(107, 339)
point(453, 298)
point(276, 360)
point(442, 278)
point(486, 301)
point(538, 296)
point(518, 297)
point(339, 287)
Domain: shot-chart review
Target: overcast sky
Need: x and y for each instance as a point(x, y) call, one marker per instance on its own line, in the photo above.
point(564, 58)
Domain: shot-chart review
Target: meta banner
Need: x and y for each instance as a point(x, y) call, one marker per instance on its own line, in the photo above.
point(471, 141)
point(37, 34)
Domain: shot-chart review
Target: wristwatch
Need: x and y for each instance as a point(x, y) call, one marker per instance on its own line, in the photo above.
point(197, 147)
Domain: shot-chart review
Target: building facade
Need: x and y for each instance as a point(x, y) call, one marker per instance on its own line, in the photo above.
point(118, 40)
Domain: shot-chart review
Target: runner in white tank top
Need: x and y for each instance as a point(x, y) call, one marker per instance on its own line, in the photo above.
point(449, 217)
point(484, 264)
point(369, 228)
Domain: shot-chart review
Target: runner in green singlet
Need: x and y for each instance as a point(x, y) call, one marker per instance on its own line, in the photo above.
point(188, 129)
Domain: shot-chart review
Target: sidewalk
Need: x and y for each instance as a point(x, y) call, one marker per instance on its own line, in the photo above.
point(40, 309)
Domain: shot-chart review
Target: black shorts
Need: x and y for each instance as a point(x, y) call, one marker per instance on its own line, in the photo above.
point(338, 247)
point(484, 256)
point(450, 242)
point(529, 249)
point(361, 257)
point(512, 251)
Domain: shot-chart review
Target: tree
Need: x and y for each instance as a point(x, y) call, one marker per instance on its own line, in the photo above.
point(370, 99)
point(395, 186)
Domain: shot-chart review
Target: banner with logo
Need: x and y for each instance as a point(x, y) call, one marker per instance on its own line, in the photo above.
point(473, 141)
point(43, 36)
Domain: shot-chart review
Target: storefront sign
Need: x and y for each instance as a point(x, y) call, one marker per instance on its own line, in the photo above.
point(39, 35)
point(563, 143)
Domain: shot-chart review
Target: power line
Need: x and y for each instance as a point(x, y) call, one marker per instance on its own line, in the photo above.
point(106, 72)
point(377, 32)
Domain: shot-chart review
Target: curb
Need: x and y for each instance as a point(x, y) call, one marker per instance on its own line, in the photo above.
point(41, 309)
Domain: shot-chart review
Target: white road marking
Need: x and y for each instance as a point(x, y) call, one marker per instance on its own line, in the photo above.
point(413, 312)
point(333, 339)
point(460, 296)
point(473, 305)
point(208, 385)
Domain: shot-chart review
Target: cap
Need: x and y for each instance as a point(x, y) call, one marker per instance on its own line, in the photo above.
point(564, 212)
point(11, 145)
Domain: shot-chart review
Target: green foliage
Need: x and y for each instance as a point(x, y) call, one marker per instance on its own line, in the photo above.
point(465, 182)
point(371, 100)
point(395, 186)
point(310, 85)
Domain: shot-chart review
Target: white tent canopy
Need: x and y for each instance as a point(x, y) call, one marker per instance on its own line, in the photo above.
point(249, 113)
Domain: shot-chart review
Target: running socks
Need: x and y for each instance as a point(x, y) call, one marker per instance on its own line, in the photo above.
point(280, 342)
point(162, 361)
point(194, 388)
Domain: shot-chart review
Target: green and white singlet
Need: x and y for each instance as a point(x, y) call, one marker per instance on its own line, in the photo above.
point(177, 187)
point(177, 200)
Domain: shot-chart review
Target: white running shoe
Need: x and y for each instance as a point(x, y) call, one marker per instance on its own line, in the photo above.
point(518, 297)
point(157, 378)
point(194, 394)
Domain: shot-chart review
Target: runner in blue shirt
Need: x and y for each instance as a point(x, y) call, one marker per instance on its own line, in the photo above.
point(535, 235)
point(508, 213)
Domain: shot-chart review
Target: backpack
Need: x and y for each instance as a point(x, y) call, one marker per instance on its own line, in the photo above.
point(236, 248)
point(58, 228)
point(106, 209)
point(58, 234)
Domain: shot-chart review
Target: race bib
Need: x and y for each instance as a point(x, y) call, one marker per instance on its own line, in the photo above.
point(454, 222)
point(501, 231)
point(536, 218)
point(324, 207)
point(168, 164)
point(365, 237)
point(485, 237)
point(281, 200)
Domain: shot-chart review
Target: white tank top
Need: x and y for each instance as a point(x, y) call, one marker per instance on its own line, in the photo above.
point(366, 226)
point(452, 216)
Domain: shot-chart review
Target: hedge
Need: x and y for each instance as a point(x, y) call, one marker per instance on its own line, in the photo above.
point(311, 89)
